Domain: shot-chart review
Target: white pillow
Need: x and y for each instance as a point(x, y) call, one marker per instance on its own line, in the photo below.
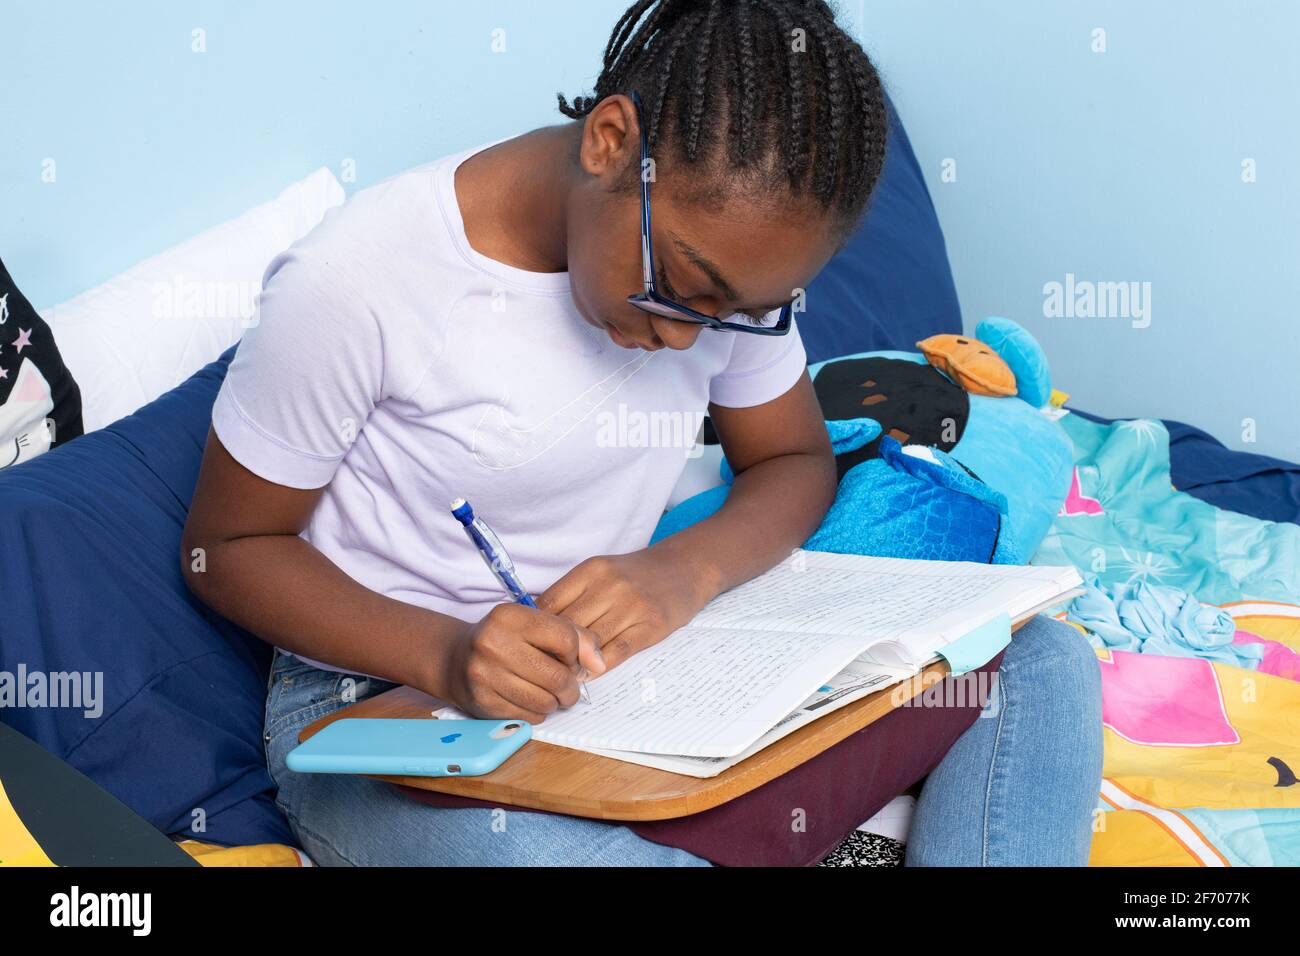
point(148, 329)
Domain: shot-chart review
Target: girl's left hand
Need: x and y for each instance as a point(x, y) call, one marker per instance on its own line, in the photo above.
point(631, 601)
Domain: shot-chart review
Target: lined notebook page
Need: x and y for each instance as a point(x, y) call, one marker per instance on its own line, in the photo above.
point(755, 653)
point(701, 692)
point(887, 598)
point(853, 683)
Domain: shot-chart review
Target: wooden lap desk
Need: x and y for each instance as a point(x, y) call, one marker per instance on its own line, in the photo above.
point(543, 776)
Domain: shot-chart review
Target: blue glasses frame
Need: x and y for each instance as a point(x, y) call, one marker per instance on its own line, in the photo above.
point(650, 300)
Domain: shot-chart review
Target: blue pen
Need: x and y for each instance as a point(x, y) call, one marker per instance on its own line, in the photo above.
point(498, 561)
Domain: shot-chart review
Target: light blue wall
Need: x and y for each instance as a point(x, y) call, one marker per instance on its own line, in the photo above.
point(1115, 166)
point(1121, 166)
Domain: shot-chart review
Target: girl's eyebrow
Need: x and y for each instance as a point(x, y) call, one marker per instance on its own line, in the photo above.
point(704, 265)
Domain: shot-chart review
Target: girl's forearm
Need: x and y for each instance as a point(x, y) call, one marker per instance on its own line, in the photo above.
point(772, 508)
point(287, 592)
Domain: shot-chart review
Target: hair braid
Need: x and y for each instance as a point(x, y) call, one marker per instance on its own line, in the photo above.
point(662, 78)
point(748, 86)
point(698, 97)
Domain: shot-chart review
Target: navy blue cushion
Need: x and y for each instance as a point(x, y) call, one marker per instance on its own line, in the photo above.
point(891, 285)
point(1256, 485)
point(90, 559)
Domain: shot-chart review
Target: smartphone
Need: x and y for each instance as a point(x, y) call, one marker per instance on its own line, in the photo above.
point(417, 747)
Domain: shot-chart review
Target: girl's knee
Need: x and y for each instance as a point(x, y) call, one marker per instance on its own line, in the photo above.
point(1055, 660)
point(1044, 639)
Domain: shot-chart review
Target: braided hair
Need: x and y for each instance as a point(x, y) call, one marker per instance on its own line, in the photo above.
point(804, 110)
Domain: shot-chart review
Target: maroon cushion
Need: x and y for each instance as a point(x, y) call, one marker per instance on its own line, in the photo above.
point(837, 790)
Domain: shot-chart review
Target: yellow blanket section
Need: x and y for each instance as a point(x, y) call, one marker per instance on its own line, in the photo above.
point(260, 854)
point(17, 846)
point(1200, 770)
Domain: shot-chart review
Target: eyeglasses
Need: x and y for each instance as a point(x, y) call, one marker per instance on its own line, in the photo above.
point(776, 322)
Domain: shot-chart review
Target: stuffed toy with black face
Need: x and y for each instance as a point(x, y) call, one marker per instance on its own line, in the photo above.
point(952, 453)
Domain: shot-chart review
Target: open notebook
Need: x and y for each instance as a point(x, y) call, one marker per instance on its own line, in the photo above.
point(813, 634)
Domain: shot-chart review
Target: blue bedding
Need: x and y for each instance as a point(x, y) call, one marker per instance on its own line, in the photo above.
point(90, 563)
point(1193, 611)
point(1244, 482)
point(1255, 485)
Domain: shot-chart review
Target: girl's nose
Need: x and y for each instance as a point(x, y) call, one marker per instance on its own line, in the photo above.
point(675, 335)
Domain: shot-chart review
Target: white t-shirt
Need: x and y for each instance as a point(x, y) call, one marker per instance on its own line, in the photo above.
point(400, 368)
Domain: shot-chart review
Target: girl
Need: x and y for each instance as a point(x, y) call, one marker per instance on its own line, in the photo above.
point(460, 328)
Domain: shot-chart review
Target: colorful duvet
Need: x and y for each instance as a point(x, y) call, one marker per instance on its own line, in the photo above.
point(1201, 755)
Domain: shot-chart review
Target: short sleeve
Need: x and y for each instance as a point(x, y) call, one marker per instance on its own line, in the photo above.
point(305, 377)
point(762, 367)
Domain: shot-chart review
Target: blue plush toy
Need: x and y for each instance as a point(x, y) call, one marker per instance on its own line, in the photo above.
point(980, 480)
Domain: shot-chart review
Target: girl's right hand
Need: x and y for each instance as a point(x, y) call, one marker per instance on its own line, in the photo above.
point(520, 663)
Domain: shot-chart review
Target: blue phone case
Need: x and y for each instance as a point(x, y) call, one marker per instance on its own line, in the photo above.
point(416, 747)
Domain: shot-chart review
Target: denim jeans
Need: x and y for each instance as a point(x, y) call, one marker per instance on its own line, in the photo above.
point(1017, 788)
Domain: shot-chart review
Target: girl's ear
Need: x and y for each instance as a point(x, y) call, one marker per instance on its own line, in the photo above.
point(610, 138)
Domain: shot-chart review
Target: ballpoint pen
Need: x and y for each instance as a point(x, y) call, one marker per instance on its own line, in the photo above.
point(498, 561)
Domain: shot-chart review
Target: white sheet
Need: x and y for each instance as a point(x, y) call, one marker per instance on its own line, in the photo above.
point(146, 330)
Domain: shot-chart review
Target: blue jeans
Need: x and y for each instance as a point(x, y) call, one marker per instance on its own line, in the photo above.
point(1017, 788)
